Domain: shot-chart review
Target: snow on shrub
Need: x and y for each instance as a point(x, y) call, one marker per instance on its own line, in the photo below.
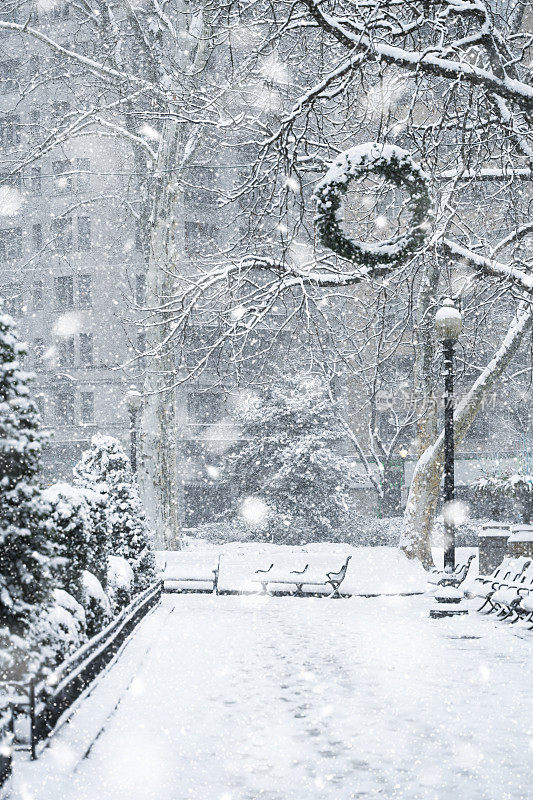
point(27, 558)
point(95, 602)
point(120, 582)
point(66, 625)
point(99, 539)
point(69, 526)
point(509, 493)
point(105, 468)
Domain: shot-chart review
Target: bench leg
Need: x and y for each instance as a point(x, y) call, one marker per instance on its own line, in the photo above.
point(335, 593)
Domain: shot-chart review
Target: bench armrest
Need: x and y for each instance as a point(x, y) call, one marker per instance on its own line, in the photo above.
point(264, 571)
point(299, 571)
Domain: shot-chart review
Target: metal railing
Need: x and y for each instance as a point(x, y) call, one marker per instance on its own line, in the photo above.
point(51, 697)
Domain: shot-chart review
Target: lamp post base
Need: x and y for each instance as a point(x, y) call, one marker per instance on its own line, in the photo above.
point(448, 603)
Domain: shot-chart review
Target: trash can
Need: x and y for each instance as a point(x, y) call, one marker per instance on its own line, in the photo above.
point(520, 542)
point(492, 540)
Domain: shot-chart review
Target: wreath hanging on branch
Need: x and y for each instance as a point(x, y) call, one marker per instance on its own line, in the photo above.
point(396, 166)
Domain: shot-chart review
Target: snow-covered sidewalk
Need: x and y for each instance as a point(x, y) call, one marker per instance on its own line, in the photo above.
point(265, 698)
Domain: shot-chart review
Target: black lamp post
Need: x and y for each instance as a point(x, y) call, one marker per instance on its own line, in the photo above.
point(133, 401)
point(448, 324)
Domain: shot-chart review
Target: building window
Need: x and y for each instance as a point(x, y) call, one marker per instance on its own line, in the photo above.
point(139, 237)
point(10, 130)
point(11, 182)
point(37, 237)
point(62, 176)
point(60, 10)
point(35, 180)
point(38, 353)
point(64, 291)
point(84, 233)
point(198, 236)
point(85, 291)
point(140, 289)
point(205, 408)
point(65, 413)
point(62, 233)
point(33, 66)
point(60, 109)
point(87, 407)
point(9, 71)
point(141, 349)
point(201, 185)
point(40, 403)
point(83, 166)
point(65, 352)
point(37, 295)
point(10, 244)
point(13, 302)
point(86, 350)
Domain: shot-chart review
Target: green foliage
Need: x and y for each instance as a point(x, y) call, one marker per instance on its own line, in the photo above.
point(289, 460)
point(397, 167)
point(26, 557)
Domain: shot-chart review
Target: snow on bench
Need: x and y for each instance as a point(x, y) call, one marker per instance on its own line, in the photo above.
point(438, 577)
point(508, 596)
point(509, 571)
point(372, 571)
point(190, 572)
point(308, 578)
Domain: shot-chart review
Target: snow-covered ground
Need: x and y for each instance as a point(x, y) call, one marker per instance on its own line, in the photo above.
point(279, 698)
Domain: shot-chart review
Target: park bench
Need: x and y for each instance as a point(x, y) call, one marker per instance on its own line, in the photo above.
point(438, 577)
point(510, 570)
point(524, 609)
point(508, 596)
point(299, 578)
point(191, 577)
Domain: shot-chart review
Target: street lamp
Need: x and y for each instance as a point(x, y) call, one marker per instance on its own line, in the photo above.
point(448, 324)
point(134, 402)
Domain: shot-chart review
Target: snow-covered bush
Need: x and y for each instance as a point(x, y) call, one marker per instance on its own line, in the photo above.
point(95, 602)
point(66, 625)
point(68, 523)
point(105, 468)
point(293, 484)
point(509, 495)
point(27, 558)
point(99, 538)
point(120, 583)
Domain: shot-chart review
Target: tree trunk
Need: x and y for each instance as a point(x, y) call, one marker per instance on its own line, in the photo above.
point(423, 495)
point(158, 439)
point(426, 410)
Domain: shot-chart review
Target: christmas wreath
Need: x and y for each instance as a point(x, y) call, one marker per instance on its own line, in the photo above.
point(397, 167)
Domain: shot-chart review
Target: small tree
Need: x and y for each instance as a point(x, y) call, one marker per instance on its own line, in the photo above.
point(290, 477)
point(105, 468)
point(27, 559)
point(99, 546)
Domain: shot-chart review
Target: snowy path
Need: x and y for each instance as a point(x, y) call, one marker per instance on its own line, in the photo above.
point(250, 698)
